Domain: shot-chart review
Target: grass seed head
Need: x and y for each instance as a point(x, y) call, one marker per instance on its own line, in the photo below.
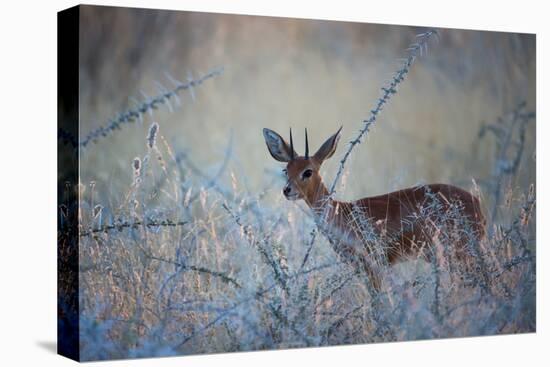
point(152, 136)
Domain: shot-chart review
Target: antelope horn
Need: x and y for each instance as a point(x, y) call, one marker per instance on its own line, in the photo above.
point(307, 146)
point(291, 145)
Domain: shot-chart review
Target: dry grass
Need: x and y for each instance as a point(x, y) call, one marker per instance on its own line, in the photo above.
point(233, 274)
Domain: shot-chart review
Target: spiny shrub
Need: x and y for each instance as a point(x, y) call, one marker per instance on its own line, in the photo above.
point(219, 271)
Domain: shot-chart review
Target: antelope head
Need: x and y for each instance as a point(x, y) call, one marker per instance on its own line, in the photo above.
point(302, 172)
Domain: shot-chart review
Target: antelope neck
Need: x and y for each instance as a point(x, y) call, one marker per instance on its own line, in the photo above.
point(319, 199)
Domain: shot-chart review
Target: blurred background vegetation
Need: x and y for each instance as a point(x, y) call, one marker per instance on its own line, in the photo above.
point(282, 73)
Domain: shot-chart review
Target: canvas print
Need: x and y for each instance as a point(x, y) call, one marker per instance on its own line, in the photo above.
point(233, 183)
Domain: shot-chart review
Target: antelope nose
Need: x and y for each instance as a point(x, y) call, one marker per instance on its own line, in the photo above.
point(286, 191)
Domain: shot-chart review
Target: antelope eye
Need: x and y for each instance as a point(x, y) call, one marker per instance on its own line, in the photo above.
point(307, 173)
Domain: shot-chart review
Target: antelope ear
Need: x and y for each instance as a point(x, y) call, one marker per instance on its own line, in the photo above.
point(329, 147)
point(277, 146)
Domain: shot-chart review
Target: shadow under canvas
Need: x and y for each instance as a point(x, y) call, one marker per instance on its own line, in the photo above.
point(48, 345)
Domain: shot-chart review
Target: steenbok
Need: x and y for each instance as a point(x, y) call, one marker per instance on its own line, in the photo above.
point(405, 223)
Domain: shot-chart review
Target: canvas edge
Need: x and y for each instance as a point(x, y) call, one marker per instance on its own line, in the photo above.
point(67, 180)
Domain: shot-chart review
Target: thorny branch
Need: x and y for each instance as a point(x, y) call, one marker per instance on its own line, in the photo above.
point(257, 295)
point(124, 225)
point(226, 278)
point(388, 91)
point(136, 113)
point(416, 49)
point(510, 134)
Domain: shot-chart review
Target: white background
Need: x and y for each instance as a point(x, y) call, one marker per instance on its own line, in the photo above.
point(28, 182)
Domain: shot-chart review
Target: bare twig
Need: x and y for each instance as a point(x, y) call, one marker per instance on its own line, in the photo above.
point(226, 278)
point(309, 247)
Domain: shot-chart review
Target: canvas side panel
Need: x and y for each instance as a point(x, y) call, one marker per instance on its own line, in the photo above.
point(67, 180)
